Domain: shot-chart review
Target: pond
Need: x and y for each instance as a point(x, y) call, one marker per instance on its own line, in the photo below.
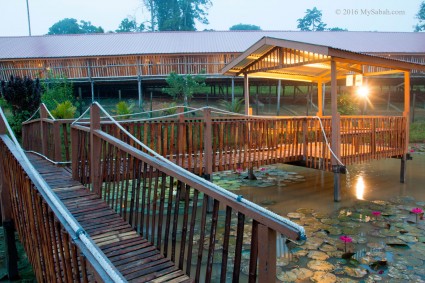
point(372, 235)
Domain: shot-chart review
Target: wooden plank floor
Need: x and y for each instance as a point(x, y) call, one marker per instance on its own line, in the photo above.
point(136, 258)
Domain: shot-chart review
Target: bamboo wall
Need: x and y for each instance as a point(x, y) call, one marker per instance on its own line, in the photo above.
point(117, 67)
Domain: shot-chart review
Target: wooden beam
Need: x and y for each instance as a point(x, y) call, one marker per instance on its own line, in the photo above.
point(95, 150)
point(266, 254)
point(406, 112)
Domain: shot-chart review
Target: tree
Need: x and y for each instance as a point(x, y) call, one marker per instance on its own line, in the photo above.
point(130, 25)
point(56, 90)
point(23, 97)
point(312, 21)
point(177, 14)
point(183, 87)
point(71, 26)
point(421, 17)
point(244, 27)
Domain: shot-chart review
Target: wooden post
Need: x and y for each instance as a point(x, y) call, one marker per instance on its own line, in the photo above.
point(319, 98)
point(279, 90)
point(74, 153)
point(208, 150)
point(95, 150)
point(140, 91)
point(7, 218)
point(406, 114)
point(80, 100)
point(335, 136)
point(246, 93)
point(233, 90)
point(57, 141)
point(266, 254)
point(43, 129)
point(119, 95)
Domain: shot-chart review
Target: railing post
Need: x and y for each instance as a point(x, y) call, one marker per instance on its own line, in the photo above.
point(57, 141)
point(95, 150)
point(43, 129)
point(208, 151)
point(266, 254)
point(7, 218)
point(74, 153)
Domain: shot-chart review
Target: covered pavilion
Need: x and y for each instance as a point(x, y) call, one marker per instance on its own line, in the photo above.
point(293, 60)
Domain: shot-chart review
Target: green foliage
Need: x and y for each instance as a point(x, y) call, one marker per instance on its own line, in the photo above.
point(3, 102)
point(130, 25)
point(183, 87)
point(172, 109)
point(244, 27)
point(346, 105)
point(124, 109)
point(177, 14)
point(421, 17)
point(417, 132)
point(312, 21)
point(57, 90)
point(64, 110)
point(23, 97)
point(71, 26)
point(236, 105)
point(338, 29)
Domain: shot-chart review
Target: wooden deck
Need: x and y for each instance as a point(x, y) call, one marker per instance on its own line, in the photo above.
point(135, 257)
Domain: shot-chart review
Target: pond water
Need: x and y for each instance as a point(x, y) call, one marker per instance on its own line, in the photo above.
point(382, 239)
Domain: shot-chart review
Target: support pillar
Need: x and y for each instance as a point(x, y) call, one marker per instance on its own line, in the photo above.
point(140, 91)
point(92, 90)
point(319, 98)
point(208, 151)
point(335, 135)
point(406, 115)
point(246, 93)
point(233, 90)
point(279, 90)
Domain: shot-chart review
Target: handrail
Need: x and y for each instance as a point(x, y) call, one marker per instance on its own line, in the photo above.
point(101, 263)
point(210, 187)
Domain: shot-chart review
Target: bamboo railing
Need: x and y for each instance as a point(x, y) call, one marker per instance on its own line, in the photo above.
point(169, 207)
point(52, 241)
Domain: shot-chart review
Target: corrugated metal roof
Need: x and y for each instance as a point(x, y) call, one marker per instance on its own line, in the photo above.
point(113, 44)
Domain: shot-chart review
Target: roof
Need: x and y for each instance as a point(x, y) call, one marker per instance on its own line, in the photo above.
point(288, 59)
point(116, 44)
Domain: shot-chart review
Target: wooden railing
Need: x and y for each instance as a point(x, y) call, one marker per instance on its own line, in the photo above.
point(169, 207)
point(57, 252)
point(239, 142)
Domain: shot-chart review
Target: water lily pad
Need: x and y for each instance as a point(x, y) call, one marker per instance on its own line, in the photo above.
point(323, 277)
point(373, 278)
point(305, 210)
point(313, 243)
point(355, 272)
point(327, 248)
point(317, 255)
point(302, 273)
point(330, 221)
point(286, 276)
point(408, 238)
point(320, 265)
point(282, 261)
point(295, 215)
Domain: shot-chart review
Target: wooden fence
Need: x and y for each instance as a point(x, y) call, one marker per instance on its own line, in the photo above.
point(168, 206)
point(239, 142)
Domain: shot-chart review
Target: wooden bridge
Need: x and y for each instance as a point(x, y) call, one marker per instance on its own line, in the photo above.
point(122, 213)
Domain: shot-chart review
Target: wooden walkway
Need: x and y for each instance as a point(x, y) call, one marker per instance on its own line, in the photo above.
point(136, 258)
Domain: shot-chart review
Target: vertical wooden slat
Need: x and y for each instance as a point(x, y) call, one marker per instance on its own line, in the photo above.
point(227, 225)
point(211, 246)
point(267, 254)
point(238, 248)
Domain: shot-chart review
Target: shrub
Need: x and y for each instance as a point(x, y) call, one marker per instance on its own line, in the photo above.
point(233, 106)
point(64, 110)
point(57, 90)
point(124, 109)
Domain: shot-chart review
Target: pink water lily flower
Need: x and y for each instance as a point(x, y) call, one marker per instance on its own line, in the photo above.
point(417, 211)
point(239, 170)
point(346, 239)
point(262, 169)
point(376, 213)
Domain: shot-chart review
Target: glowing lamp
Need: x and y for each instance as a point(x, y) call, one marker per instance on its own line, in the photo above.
point(363, 91)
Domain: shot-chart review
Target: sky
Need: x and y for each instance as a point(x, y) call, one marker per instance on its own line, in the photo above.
point(354, 15)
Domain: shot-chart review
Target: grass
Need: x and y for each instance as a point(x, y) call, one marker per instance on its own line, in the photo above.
point(417, 132)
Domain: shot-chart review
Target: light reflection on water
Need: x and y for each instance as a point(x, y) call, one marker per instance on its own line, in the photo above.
point(377, 180)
